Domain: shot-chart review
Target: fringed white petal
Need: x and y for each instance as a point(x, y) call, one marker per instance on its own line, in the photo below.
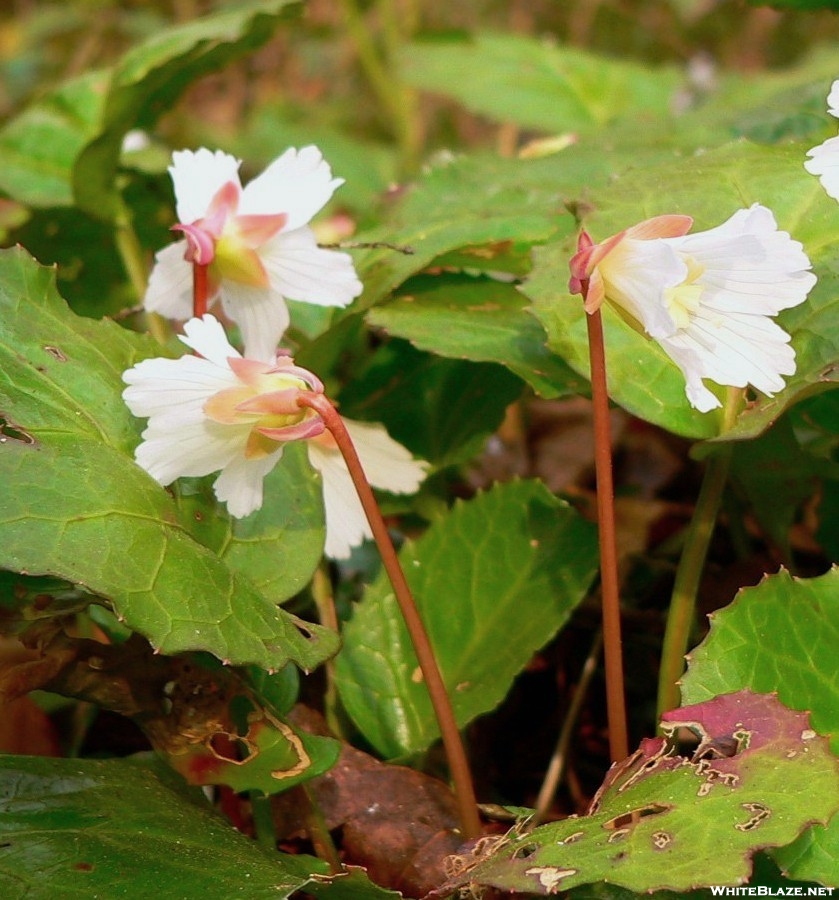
point(174, 390)
point(191, 449)
point(169, 291)
point(171, 393)
point(386, 463)
point(346, 521)
point(300, 270)
point(749, 271)
point(824, 159)
point(207, 337)
point(749, 266)
point(833, 99)
point(713, 320)
point(737, 352)
point(299, 183)
point(262, 317)
point(824, 162)
point(240, 483)
point(197, 176)
point(636, 275)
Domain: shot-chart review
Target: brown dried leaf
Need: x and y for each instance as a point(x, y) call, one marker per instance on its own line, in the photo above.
point(399, 824)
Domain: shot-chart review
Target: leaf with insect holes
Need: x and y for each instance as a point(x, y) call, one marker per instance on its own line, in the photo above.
point(758, 778)
point(245, 747)
point(781, 636)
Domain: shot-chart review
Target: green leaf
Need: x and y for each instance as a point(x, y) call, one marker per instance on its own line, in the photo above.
point(710, 188)
point(60, 373)
point(100, 828)
point(278, 547)
point(765, 874)
point(443, 410)
point(149, 79)
point(536, 84)
point(781, 636)
point(351, 884)
point(279, 690)
point(369, 168)
point(82, 511)
point(38, 147)
point(777, 475)
point(492, 210)
point(76, 505)
point(759, 776)
point(802, 617)
point(494, 580)
point(480, 320)
point(91, 275)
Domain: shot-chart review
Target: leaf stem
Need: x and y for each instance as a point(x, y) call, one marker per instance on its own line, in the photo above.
point(682, 611)
point(317, 830)
point(134, 262)
point(455, 752)
point(263, 821)
point(381, 70)
point(609, 587)
point(328, 615)
point(556, 767)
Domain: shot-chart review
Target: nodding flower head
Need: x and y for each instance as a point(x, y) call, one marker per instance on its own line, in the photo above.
point(254, 241)
point(220, 412)
point(265, 400)
point(706, 298)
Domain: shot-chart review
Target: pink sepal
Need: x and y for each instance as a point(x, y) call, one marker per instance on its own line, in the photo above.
point(280, 403)
point(299, 432)
point(248, 370)
point(596, 293)
point(224, 204)
point(200, 245)
point(256, 230)
point(668, 226)
point(286, 365)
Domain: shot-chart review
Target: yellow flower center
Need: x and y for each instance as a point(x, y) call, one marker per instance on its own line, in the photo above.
point(235, 261)
point(683, 299)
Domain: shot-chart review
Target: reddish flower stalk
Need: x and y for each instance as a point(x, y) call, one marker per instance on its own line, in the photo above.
point(609, 589)
point(199, 290)
point(455, 752)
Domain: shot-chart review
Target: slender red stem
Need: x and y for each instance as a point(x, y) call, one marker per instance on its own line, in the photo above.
point(199, 290)
point(612, 642)
point(455, 752)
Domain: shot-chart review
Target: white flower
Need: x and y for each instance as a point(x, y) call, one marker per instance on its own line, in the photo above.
point(707, 298)
point(824, 159)
point(222, 412)
point(255, 241)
